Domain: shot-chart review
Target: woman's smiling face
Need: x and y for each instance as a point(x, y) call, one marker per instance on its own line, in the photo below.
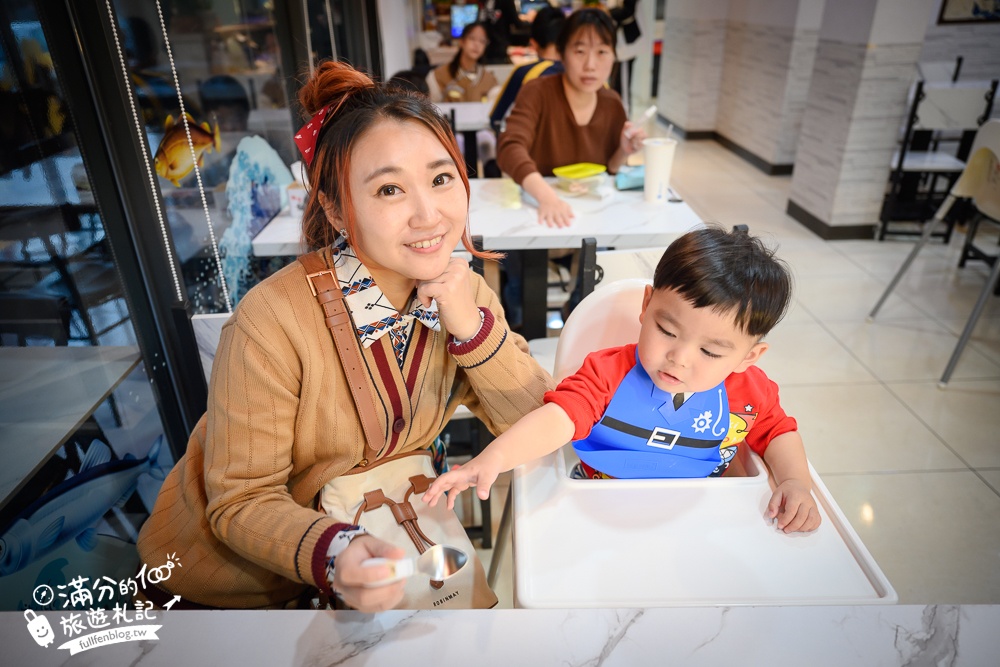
point(410, 204)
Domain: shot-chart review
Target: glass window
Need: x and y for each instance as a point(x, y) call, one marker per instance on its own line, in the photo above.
point(82, 452)
point(223, 173)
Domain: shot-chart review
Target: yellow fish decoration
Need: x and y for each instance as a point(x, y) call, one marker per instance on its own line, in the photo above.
point(173, 159)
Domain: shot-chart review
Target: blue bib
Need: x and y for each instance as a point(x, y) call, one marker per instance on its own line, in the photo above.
point(641, 436)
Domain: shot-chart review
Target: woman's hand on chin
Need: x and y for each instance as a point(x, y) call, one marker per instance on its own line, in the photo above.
point(455, 299)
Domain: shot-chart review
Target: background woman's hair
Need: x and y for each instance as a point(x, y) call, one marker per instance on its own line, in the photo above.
point(466, 31)
point(589, 17)
point(356, 103)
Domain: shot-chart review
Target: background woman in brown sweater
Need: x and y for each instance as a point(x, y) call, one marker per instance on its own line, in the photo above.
point(570, 117)
point(389, 204)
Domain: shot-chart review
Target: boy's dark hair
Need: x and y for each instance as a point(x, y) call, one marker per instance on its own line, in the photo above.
point(588, 17)
point(547, 25)
point(728, 271)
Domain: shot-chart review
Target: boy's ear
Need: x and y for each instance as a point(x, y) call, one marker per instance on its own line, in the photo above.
point(752, 356)
point(647, 295)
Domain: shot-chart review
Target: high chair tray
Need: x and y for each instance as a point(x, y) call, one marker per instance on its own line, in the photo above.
point(677, 542)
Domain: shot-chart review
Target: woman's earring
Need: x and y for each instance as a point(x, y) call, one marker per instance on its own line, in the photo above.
point(343, 232)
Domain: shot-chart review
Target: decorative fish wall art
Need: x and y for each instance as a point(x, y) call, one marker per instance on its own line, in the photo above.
point(174, 160)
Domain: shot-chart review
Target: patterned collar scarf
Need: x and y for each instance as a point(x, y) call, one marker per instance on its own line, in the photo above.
point(371, 311)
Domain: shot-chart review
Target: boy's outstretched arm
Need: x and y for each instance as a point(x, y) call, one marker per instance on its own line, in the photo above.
point(538, 433)
point(792, 503)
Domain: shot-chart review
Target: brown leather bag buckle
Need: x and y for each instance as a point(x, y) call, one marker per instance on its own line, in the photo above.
point(310, 276)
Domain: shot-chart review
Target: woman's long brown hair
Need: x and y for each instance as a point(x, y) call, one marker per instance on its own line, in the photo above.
point(356, 103)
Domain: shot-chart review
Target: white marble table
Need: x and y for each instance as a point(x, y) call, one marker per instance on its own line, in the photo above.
point(815, 636)
point(46, 393)
point(500, 214)
point(282, 236)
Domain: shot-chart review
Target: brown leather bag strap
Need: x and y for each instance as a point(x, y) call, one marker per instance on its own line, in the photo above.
point(326, 288)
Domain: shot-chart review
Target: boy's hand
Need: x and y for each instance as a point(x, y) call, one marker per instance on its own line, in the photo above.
point(477, 472)
point(793, 507)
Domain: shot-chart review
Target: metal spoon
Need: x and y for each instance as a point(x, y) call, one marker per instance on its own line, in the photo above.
point(439, 562)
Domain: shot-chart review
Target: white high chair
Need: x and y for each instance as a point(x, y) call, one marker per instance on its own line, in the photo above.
point(667, 542)
point(606, 319)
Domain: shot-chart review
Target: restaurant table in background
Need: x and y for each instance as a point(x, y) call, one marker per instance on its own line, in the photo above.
point(46, 393)
point(500, 215)
point(468, 118)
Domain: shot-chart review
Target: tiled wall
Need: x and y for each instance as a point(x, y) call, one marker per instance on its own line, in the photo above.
point(754, 78)
point(765, 81)
point(979, 45)
point(802, 59)
point(691, 71)
point(849, 131)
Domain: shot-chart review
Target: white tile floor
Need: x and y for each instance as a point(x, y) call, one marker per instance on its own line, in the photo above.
point(916, 469)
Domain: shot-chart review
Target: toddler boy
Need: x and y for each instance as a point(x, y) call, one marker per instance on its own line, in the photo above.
point(682, 400)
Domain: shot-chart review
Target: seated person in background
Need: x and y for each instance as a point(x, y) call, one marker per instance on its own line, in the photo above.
point(464, 79)
point(570, 117)
point(410, 80)
point(682, 400)
point(225, 101)
point(501, 20)
point(545, 31)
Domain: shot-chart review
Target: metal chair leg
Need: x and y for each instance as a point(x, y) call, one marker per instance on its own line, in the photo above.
point(928, 228)
point(503, 537)
point(970, 325)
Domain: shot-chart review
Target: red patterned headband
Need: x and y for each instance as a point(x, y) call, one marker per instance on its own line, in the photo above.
point(305, 138)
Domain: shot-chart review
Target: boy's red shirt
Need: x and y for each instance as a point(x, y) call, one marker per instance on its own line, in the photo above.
point(753, 397)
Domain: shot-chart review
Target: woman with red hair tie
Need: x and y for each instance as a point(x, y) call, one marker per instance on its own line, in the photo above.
point(389, 203)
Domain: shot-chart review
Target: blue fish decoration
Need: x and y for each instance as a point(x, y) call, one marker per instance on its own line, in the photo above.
point(72, 509)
